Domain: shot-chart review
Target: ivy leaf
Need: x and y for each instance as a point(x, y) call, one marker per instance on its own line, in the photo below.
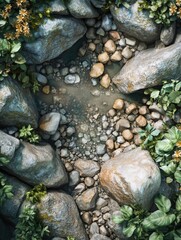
point(177, 174)
point(126, 212)
point(155, 94)
point(170, 168)
point(156, 236)
point(178, 203)
point(163, 146)
point(163, 203)
point(15, 47)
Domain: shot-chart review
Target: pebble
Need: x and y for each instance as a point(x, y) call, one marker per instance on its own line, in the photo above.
point(141, 121)
point(41, 78)
point(118, 104)
point(64, 152)
point(94, 228)
point(155, 115)
point(46, 89)
point(103, 57)
point(114, 35)
point(90, 22)
point(68, 166)
point(116, 57)
point(89, 182)
point(92, 47)
point(122, 124)
point(107, 23)
point(127, 53)
point(101, 32)
point(143, 110)
point(86, 168)
point(74, 178)
point(105, 81)
point(90, 34)
point(130, 41)
point(49, 122)
point(101, 202)
point(100, 149)
point(122, 42)
point(110, 46)
point(130, 108)
point(72, 79)
point(97, 70)
point(87, 200)
point(127, 134)
point(79, 188)
point(86, 217)
point(110, 144)
point(70, 131)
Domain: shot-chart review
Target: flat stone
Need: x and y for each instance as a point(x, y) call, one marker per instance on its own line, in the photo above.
point(105, 81)
point(131, 178)
point(49, 122)
point(87, 168)
point(87, 200)
point(122, 124)
point(72, 79)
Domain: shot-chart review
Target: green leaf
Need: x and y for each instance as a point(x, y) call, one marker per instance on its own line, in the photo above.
point(178, 203)
point(15, 47)
point(2, 23)
point(155, 94)
point(156, 236)
point(163, 146)
point(177, 174)
point(169, 169)
point(158, 219)
point(128, 231)
point(174, 135)
point(163, 203)
point(126, 212)
point(155, 133)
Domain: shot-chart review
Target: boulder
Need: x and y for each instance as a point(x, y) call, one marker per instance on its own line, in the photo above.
point(10, 207)
point(167, 34)
point(17, 106)
point(149, 68)
point(58, 211)
point(58, 7)
point(131, 180)
point(38, 164)
point(82, 9)
point(8, 145)
point(135, 23)
point(52, 38)
point(98, 3)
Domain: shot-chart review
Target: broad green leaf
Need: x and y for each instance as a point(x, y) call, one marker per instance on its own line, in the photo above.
point(163, 146)
point(2, 23)
point(177, 174)
point(158, 219)
point(163, 203)
point(170, 168)
point(174, 135)
point(156, 236)
point(128, 231)
point(126, 212)
point(15, 47)
point(178, 203)
point(155, 94)
point(118, 219)
point(155, 133)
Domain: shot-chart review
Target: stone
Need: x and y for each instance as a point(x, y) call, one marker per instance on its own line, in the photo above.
point(37, 164)
point(58, 211)
point(58, 7)
point(120, 179)
point(94, 228)
point(99, 237)
point(101, 32)
point(167, 34)
point(17, 106)
point(116, 57)
point(107, 22)
point(8, 145)
point(86, 217)
point(101, 202)
point(74, 178)
point(11, 206)
point(98, 3)
point(90, 34)
point(114, 35)
point(130, 41)
point(122, 42)
point(149, 68)
point(103, 57)
point(90, 22)
point(127, 134)
point(143, 110)
point(72, 79)
point(122, 124)
point(62, 32)
point(89, 182)
point(141, 121)
point(87, 200)
point(135, 23)
point(92, 47)
point(41, 78)
point(110, 46)
point(127, 53)
point(105, 81)
point(100, 149)
point(82, 9)
point(87, 168)
point(49, 122)
point(118, 104)
point(46, 89)
point(97, 70)
point(110, 144)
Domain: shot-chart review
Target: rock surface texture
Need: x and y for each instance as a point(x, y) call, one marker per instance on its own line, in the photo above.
point(38, 164)
point(149, 68)
point(59, 212)
point(136, 23)
point(53, 37)
point(131, 177)
point(17, 107)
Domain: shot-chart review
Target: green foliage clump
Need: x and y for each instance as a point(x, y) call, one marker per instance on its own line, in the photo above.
point(29, 225)
point(168, 97)
point(117, 3)
point(162, 11)
point(28, 133)
point(162, 224)
point(5, 188)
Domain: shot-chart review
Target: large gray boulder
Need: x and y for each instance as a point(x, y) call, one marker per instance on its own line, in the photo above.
point(6, 230)
point(135, 23)
point(58, 211)
point(17, 106)
point(10, 208)
point(131, 178)
point(82, 9)
point(53, 37)
point(38, 164)
point(8, 145)
point(149, 68)
point(98, 3)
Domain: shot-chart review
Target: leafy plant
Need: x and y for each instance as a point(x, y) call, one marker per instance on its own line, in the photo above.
point(70, 238)
point(28, 133)
point(117, 3)
point(29, 226)
point(162, 11)
point(36, 193)
point(163, 223)
point(5, 188)
point(168, 97)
